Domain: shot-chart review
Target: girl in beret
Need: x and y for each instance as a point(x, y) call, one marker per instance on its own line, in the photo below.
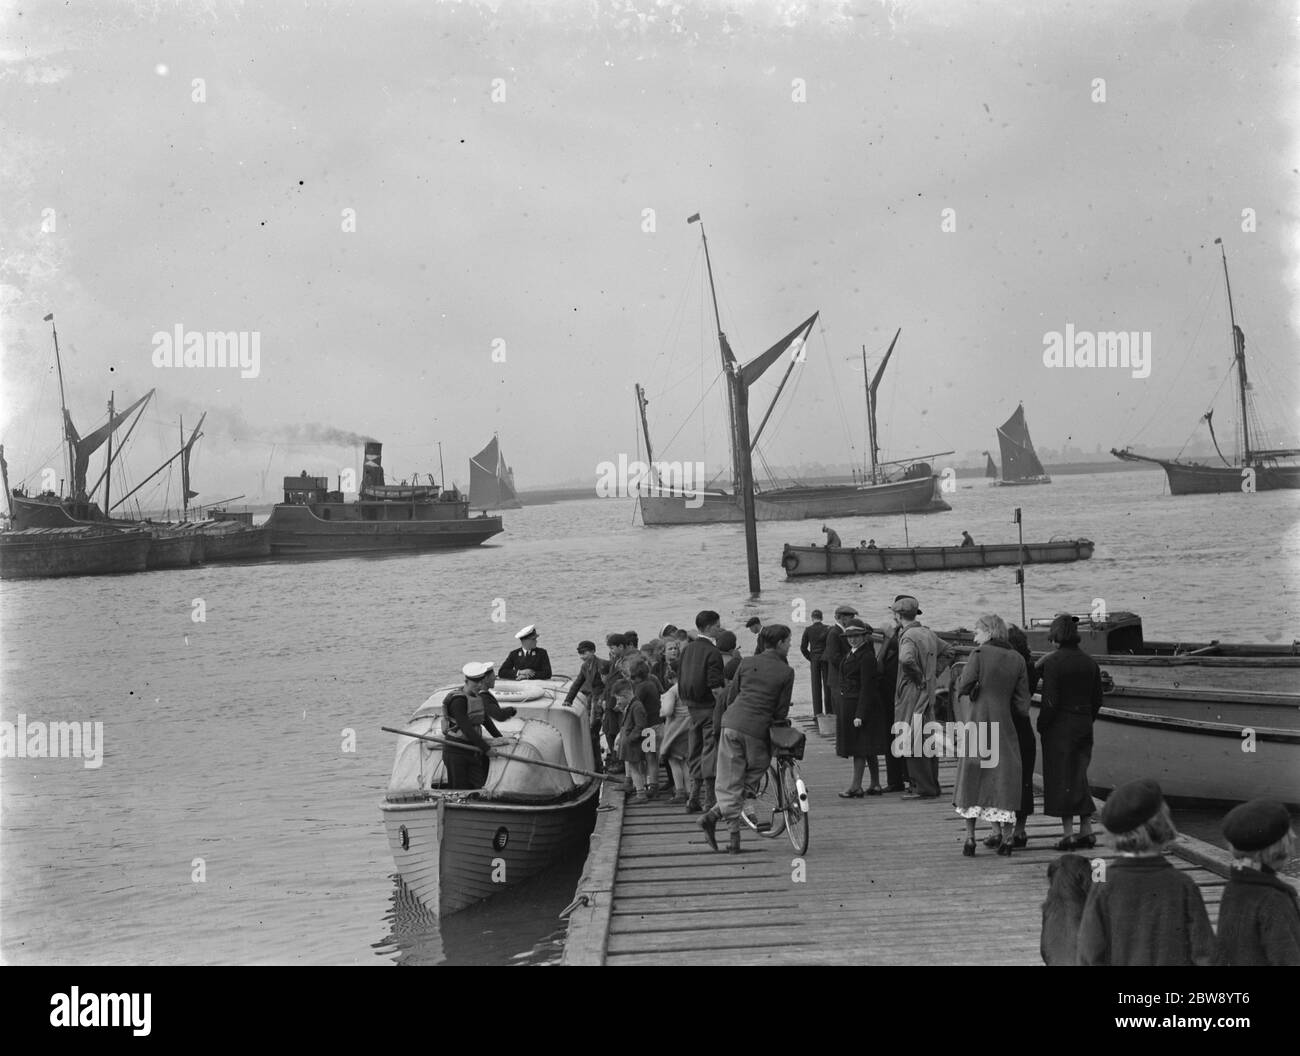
point(1144, 911)
point(1259, 917)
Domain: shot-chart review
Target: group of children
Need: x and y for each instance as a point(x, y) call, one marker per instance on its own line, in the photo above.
point(1137, 909)
point(636, 710)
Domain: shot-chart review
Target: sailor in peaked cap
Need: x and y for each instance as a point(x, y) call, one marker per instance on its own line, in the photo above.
point(467, 714)
point(528, 661)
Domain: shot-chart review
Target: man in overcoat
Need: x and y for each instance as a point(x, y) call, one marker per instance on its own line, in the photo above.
point(922, 656)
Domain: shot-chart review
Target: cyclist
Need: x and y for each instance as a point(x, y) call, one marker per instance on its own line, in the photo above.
point(758, 698)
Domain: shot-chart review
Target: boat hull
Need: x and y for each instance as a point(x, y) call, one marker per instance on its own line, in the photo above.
point(173, 549)
point(47, 553)
point(850, 561)
point(170, 547)
point(453, 853)
point(1206, 748)
point(1022, 483)
point(235, 544)
point(1219, 480)
point(296, 530)
point(921, 495)
point(1129, 660)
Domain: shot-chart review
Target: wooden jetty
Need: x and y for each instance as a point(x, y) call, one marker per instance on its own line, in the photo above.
point(883, 882)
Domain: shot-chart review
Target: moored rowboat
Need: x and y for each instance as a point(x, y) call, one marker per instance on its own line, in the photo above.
point(454, 848)
point(1205, 747)
point(1117, 643)
point(848, 561)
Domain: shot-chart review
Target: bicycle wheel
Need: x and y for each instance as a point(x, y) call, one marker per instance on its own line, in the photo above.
point(794, 798)
point(763, 812)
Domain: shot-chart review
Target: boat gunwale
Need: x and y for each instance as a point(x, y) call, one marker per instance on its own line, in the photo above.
point(444, 797)
point(1198, 727)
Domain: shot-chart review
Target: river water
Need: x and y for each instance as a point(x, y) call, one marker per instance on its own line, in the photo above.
point(233, 819)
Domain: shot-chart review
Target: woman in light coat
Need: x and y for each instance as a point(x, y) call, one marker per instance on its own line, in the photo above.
point(987, 733)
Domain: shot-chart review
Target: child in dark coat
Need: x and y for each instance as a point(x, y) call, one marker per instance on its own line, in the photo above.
point(1259, 917)
point(1070, 880)
point(1145, 912)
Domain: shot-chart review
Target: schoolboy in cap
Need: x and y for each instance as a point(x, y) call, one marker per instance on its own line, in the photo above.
point(1259, 917)
point(466, 713)
point(591, 678)
point(730, 650)
point(528, 661)
point(1145, 912)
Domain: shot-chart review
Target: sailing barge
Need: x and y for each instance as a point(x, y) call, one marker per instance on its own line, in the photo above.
point(911, 486)
point(852, 561)
point(1257, 466)
point(1020, 464)
point(385, 518)
point(491, 481)
point(454, 848)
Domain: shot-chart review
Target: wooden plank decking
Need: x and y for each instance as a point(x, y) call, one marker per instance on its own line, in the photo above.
point(884, 882)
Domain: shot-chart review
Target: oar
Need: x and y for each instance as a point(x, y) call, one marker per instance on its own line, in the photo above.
point(500, 754)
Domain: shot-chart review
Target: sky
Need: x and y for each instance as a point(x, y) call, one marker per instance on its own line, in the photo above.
point(445, 220)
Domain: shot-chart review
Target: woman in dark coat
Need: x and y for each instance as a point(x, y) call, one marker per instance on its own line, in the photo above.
point(988, 763)
point(1028, 745)
point(862, 722)
point(1071, 698)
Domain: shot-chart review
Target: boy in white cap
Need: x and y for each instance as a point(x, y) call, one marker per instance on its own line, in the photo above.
point(528, 661)
point(466, 713)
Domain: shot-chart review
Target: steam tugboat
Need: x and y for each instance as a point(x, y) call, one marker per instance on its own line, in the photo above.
point(384, 518)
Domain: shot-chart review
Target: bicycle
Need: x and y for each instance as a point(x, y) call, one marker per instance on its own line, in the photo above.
point(780, 802)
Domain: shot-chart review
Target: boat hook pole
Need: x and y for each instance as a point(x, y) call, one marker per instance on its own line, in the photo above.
point(502, 755)
point(1020, 572)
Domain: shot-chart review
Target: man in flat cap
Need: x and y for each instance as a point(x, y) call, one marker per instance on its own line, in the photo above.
point(466, 713)
point(922, 657)
point(1259, 916)
point(528, 661)
point(835, 650)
